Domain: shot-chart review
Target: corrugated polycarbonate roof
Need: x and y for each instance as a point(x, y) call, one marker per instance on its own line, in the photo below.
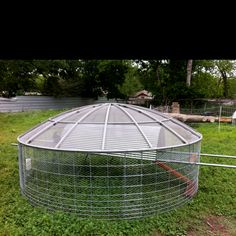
point(110, 127)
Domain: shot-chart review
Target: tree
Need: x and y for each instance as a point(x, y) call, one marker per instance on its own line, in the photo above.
point(131, 83)
point(52, 71)
point(225, 69)
point(189, 72)
point(205, 85)
point(16, 75)
point(154, 76)
point(212, 77)
point(165, 79)
point(90, 80)
point(111, 76)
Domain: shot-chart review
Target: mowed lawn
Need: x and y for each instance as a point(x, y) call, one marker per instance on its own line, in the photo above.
point(212, 211)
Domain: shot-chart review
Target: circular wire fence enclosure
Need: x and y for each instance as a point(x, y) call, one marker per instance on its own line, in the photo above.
point(110, 161)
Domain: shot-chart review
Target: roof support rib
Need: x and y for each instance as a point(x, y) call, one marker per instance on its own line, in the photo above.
point(135, 122)
point(77, 122)
point(105, 127)
point(161, 123)
point(51, 124)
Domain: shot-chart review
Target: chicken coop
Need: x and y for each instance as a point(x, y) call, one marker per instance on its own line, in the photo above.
point(110, 161)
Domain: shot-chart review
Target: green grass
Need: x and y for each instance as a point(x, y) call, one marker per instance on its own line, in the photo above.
point(216, 197)
point(105, 191)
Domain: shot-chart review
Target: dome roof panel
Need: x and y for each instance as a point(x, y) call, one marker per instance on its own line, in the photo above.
point(110, 127)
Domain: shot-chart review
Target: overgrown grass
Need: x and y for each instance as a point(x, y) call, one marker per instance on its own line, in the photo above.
point(216, 195)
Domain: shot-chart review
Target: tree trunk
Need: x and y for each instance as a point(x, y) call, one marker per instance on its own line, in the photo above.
point(199, 118)
point(189, 72)
point(158, 74)
point(225, 83)
point(192, 118)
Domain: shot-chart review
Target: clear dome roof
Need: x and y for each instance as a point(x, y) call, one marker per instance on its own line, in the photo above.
point(110, 127)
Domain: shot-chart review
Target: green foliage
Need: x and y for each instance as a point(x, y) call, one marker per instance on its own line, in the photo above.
point(132, 83)
point(111, 76)
point(51, 72)
point(39, 82)
point(225, 69)
point(16, 75)
point(87, 78)
point(166, 79)
point(154, 76)
point(79, 78)
point(206, 85)
point(232, 88)
point(211, 77)
point(89, 72)
point(216, 195)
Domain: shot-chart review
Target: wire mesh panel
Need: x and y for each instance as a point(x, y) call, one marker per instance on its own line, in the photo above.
point(109, 161)
point(122, 185)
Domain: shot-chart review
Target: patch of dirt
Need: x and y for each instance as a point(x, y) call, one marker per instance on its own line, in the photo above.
point(217, 225)
point(212, 226)
point(156, 233)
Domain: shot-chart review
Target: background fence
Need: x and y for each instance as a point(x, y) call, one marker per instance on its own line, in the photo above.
point(223, 110)
point(25, 103)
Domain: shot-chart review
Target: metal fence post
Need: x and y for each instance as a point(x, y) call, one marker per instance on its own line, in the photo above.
point(219, 117)
point(20, 163)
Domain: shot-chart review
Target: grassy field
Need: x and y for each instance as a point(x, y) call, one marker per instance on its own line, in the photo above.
point(212, 211)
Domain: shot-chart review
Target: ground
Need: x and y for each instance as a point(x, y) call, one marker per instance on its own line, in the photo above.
point(215, 225)
point(211, 212)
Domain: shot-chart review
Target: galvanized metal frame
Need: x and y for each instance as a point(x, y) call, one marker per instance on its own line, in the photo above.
point(142, 197)
point(105, 127)
point(105, 123)
point(53, 123)
point(109, 184)
point(161, 123)
point(137, 125)
point(21, 172)
point(76, 123)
